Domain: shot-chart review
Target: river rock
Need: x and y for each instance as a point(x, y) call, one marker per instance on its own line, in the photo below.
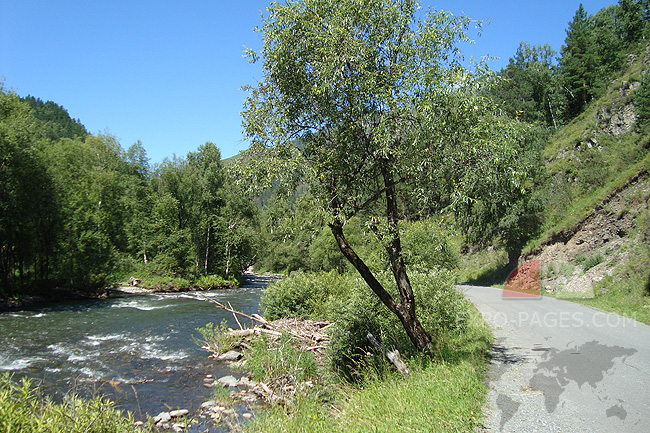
point(178, 427)
point(162, 418)
point(231, 355)
point(247, 415)
point(245, 381)
point(208, 404)
point(230, 381)
point(178, 413)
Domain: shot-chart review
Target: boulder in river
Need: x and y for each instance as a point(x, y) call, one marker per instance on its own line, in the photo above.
point(230, 381)
point(178, 413)
point(231, 355)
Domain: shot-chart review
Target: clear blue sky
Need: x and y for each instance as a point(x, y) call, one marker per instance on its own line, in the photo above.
point(169, 73)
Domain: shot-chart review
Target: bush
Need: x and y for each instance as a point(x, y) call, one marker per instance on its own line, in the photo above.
point(303, 295)
point(273, 360)
point(211, 282)
point(325, 254)
point(440, 308)
point(216, 338)
point(429, 245)
point(347, 300)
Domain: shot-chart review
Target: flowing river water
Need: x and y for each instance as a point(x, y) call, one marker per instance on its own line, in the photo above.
point(139, 350)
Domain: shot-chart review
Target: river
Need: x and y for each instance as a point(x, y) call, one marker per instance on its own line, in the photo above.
point(139, 350)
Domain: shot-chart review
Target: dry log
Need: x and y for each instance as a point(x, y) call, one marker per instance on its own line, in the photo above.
point(393, 356)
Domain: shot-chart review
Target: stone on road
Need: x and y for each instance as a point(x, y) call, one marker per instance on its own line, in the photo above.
point(558, 366)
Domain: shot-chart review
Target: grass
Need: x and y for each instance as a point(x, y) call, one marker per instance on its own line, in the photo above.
point(591, 261)
point(486, 267)
point(628, 291)
point(23, 409)
point(445, 394)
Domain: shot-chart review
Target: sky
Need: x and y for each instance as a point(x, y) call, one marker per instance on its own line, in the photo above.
point(170, 73)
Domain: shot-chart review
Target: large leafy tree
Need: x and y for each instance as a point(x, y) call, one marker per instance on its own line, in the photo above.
point(381, 105)
point(26, 196)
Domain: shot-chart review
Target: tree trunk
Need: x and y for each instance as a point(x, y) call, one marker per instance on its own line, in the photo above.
point(414, 329)
point(404, 312)
point(513, 259)
point(207, 251)
point(227, 259)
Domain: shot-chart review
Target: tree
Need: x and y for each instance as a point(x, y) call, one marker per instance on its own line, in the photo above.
point(578, 62)
point(380, 102)
point(632, 17)
point(527, 86)
point(26, 196)
point(500, 208)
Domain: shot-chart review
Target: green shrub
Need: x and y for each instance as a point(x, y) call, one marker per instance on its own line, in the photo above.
point(428, 245)
point(23, 409)
point(216, 338)
point(642, 101)
point(439, 306)
point(274, 360)
point(211, 282)
point(589, 262)
point(325, 254)
point(303, 294)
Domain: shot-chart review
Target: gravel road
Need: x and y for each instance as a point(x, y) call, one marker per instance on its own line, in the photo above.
point(558, 366)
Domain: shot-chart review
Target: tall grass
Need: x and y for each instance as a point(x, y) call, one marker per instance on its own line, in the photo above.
point(23, 409)
point(444, 394)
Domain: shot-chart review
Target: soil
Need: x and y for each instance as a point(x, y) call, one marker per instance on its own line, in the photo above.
point(576, 259)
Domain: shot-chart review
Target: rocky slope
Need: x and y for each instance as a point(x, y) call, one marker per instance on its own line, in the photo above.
point(574, 260)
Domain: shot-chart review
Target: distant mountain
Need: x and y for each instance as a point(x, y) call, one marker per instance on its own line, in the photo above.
point(56, 120)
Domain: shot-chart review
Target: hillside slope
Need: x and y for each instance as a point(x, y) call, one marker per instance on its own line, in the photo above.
point(595, 241)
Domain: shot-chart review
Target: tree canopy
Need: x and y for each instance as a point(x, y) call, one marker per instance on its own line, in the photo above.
point(365, 100)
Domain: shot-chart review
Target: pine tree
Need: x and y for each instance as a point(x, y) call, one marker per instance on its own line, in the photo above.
point(578, 62)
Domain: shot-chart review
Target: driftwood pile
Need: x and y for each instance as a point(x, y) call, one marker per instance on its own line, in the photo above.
point(306, 336)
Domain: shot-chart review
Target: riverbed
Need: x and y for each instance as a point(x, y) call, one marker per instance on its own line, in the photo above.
point(142, 351)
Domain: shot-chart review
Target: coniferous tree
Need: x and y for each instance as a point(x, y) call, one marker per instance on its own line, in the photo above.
point(578, 63)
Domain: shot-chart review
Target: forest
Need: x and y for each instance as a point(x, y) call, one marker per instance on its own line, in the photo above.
point(79, 211)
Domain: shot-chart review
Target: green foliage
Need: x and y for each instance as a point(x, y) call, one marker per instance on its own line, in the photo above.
point(55, 120)
point(429, 244)
point(642, 102)
point(325, 254)
point(211, 282)
point(271, 360)
point(216, 338)
point(504, 207)
point(76, 209)
point(442, 396)
point(288, 228)
point(528, 89)
point(28, 213)
point(23, 409)
point(589, 262)
point(304, 295)
point(369, 105)
point(441, 309)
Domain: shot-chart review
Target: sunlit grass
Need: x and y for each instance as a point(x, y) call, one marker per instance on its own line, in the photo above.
point(23, 409)
point(444, 394)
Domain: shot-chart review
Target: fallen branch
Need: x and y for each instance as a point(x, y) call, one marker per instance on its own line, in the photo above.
point(233, 311)
point(393, 356)
point(235, 316)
